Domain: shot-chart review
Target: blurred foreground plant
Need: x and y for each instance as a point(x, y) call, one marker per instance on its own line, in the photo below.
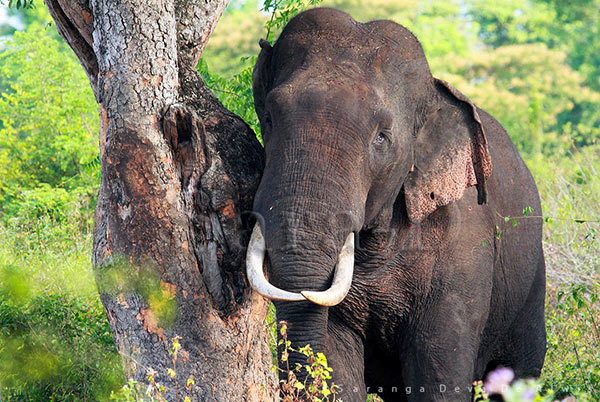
point(315, 386)
point(133, 391)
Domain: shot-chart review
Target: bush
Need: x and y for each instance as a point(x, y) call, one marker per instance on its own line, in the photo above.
point(57, 348)
point(571, 366)
point(55, 342)
point(49, 160)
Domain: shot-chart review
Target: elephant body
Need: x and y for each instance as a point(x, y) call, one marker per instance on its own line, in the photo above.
point(360, 138)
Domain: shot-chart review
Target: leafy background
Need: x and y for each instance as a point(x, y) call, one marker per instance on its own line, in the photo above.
point(534, 64)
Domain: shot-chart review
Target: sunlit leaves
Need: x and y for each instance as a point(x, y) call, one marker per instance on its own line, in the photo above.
point(528, 88)
point(48, 124)
point(18, 3)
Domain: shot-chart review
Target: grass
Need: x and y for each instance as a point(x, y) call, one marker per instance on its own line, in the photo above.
point(570, 189)
point(55, 341)
point(571, 366)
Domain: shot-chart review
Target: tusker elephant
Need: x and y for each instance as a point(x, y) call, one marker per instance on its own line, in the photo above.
point(382, 216)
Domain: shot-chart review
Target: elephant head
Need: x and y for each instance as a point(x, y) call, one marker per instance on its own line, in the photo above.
point(352, 122)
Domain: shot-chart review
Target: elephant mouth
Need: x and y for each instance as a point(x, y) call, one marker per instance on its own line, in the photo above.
point(342, 277)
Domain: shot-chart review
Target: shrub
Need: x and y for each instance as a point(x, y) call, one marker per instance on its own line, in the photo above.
point(55, 348)
point(573, 326)
point(55, 342)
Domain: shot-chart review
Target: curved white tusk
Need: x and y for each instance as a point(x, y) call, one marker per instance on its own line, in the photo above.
point(342, 278)
point(255, 258)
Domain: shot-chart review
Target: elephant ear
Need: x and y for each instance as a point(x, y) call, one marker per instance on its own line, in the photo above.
point(262, 77)
point(451, 154)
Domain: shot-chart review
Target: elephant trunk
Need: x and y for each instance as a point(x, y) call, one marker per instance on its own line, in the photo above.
point(307, 325)
point(308, 206)
point(307, 214)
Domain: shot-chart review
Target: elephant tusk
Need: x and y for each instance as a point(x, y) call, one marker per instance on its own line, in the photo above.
point(255, 258)
point(342, 278)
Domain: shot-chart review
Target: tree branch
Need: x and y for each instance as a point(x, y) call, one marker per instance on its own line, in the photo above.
point(75, 23)
point(196, 20)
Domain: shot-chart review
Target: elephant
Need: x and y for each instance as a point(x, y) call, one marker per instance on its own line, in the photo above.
point(397, 224)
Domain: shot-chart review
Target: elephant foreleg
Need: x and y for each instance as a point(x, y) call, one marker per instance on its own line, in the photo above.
point(438, 362)
point(345, 354)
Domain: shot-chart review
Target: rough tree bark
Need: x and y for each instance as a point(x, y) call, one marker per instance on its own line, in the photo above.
point(178, 171)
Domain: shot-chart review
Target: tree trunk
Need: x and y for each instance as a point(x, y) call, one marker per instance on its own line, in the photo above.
point(178, 173)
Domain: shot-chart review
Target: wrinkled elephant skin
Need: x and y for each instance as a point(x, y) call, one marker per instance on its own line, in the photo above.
point(360, 138)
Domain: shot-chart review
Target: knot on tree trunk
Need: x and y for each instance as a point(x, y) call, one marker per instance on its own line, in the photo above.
point(213, 200)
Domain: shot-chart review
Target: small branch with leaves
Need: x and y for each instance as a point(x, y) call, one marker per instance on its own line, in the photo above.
point(315, 386)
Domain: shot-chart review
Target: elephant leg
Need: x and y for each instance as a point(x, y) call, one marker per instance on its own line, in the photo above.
point(433, 373)
point(437, 376)
point(438, 361)
point(345, 354)
point(524, 347)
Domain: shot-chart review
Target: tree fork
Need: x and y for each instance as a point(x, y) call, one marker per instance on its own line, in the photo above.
point(178, 173)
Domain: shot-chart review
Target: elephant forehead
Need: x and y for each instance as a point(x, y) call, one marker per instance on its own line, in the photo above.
point(334, 36)
point(344, 79)
point(353, 61)
point(328, 97)
point(325, 49)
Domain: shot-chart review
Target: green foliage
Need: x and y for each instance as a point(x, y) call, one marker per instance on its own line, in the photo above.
point(271, 322)
point(133, 391)
point(235, 93)
point(531, 91)
point(53, 346)
point(18, 3)
point(479, 395)
point(234, 40)
point(56, 347)
point(572, 27)
point(55, 342)
point(48, 125)
point(508, 22)
point(573, 326)
point(570, 30)
point(36, 13)
point(316, 385)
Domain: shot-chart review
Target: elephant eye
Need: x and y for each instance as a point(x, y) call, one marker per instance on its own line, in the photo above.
point(379, 139)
